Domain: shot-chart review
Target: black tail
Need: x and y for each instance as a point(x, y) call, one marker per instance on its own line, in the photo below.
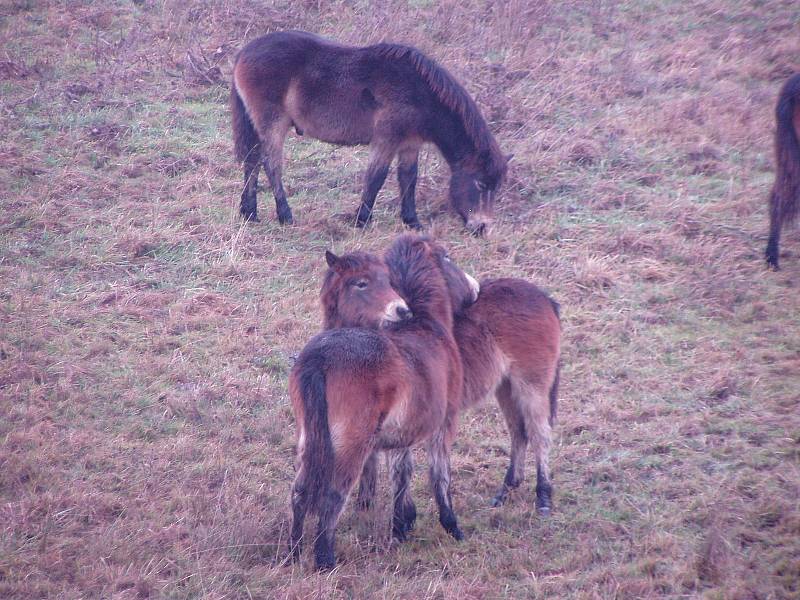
point(783, 199)
point(245, 139)
point(318, 451)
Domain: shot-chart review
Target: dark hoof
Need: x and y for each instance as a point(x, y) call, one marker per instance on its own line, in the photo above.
point(498, 501)
point(456, 533)
point(294, 551)
point(772, 264)
point(286, 219)
point(363, 217)
point(478, 230)
point(325, 563)
point(325, 566)
point(250, 217)
point(414, 225)
point(400, 533)
point(544, 511)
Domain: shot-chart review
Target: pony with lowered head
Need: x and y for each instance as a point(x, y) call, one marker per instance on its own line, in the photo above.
point(390, 383)
point(389, 96)
point(510, 343)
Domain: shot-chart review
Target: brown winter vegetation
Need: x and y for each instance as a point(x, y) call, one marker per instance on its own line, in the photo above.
point(146, 333)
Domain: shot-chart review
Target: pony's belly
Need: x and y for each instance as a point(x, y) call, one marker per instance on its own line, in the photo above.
point(333, 117)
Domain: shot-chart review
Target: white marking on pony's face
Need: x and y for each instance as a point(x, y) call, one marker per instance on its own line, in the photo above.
point(395, 311)
point(474, 285)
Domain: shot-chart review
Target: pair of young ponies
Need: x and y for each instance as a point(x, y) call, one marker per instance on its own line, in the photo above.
point(410, 341)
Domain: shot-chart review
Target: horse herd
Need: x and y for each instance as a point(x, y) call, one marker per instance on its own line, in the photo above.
point(410, 340)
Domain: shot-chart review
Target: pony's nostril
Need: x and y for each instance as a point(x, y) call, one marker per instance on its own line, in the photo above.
point(403, 312)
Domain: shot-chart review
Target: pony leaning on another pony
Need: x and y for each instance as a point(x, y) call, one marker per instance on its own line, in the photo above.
point(358, 390)
point(509, 341)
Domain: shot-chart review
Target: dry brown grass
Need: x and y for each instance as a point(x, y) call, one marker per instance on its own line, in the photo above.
point(146, 442)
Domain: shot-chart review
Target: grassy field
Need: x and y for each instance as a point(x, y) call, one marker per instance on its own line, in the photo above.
point(146, 441)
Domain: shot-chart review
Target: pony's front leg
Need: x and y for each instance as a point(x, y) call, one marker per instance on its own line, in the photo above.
point(380, 158)
point(407, 167)
point(248, 207)
point(405, 513)
point(439, 457)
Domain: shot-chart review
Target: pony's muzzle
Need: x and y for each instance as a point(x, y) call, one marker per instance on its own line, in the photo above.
point(479, 225)
point(474, 286)
point(396, 310)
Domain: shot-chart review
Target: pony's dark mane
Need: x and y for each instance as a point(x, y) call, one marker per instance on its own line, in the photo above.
point(419, 282)
point(452, 95)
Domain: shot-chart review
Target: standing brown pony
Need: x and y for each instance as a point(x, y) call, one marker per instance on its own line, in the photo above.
point(509, 341)
point(391, 97)
point(783, 199)
point(358, 390)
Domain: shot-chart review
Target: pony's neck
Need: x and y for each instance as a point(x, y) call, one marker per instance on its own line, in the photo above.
point(451, 138)
point(422, 286)
point(426, 301)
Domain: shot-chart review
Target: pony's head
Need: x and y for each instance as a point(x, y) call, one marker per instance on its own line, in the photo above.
point(431, 283)
point(356, 292)
point(473, 188)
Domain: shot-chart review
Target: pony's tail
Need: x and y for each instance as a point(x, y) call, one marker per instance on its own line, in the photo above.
point(556, 380)
point(783, 199)
point(318, 452)
point(245, 139)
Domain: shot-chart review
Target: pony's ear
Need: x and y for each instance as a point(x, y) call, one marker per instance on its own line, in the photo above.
point(331, 259)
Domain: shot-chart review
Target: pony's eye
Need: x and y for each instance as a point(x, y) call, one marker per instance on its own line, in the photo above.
point(361, 284)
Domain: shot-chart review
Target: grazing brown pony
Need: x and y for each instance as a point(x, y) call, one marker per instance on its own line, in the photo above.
point(783, 199)
point(509, 341)
point(388, 96)
point(358, 390)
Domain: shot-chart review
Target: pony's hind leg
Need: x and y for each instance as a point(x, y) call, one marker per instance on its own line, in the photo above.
point(535, 406)
point(352, 451)
point(405, 513)
point(248, 207)
point(273, 167)
point(407, 167)
point(368, 483)
point(300, 503)
point(440, 482)
point(380, 158)
point(515, 420)
point(329, 510)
